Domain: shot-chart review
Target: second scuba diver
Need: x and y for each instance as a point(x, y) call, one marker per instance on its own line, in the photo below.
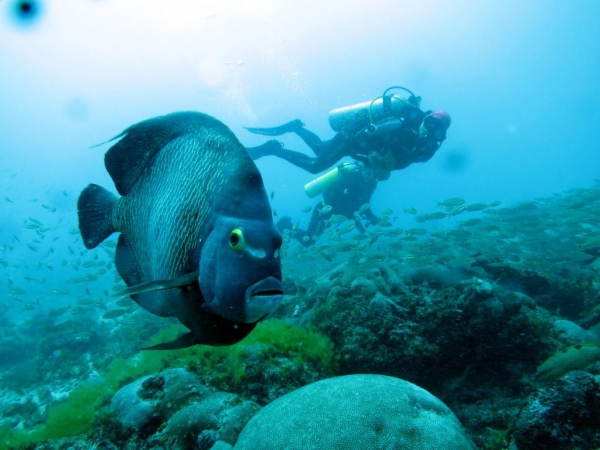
point(345, 190)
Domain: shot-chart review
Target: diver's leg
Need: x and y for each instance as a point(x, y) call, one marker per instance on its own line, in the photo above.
point(268, 148)
point(322, 162)
point(313, 225)
point(303, 237)
point(320, 227)
point(310, 164)
point(285, 223)
point(298, 159)
point(360, 227)
point(338, 142)
point(313, 141)
point(297, 126)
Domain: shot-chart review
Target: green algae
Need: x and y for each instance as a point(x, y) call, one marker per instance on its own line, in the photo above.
point(271, 339)
point(274, 344)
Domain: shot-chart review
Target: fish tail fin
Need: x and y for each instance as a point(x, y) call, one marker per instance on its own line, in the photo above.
point(94, 208)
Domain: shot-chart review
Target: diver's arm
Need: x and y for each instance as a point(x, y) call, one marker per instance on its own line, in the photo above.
point(426, 147)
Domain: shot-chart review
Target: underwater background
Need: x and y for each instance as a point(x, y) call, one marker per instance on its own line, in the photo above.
point(494, 310)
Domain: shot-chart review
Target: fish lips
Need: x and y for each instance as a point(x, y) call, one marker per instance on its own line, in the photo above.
point(263, 298)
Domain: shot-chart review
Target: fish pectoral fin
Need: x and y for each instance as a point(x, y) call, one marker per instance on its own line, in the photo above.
point(159, 285)
point(184, 341)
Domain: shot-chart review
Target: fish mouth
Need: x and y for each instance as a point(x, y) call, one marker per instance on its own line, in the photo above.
point(269, 292)
point(262, 298)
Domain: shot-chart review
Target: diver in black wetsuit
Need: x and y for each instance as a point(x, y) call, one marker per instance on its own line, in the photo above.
point(389, 133)
point(343, 198)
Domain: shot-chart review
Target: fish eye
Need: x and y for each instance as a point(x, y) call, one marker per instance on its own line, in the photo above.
point(236, 240)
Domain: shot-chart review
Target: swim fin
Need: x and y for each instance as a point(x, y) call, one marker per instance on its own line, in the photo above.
point(289, 127)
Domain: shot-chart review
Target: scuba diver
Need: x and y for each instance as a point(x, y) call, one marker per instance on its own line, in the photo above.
point(389, 133)
point(347, 190)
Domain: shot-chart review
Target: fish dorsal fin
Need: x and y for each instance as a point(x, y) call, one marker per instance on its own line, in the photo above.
point(128, 158)
point(159, 285)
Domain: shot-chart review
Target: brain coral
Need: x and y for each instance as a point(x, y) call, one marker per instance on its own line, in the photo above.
point(355, 412)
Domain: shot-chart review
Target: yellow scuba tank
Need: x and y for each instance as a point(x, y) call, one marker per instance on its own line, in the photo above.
point(328, 179)
point(365, 114)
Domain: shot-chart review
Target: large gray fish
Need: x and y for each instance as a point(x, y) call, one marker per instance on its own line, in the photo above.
point(197, 235)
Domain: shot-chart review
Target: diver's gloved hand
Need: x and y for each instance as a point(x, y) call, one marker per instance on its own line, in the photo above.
point(289, 127)
point(370, 220)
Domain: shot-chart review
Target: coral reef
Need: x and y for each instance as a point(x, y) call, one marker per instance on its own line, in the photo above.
point(173, 408)
point(355, 411)
point(563, 414)
point(494, 316)
point(472, 331)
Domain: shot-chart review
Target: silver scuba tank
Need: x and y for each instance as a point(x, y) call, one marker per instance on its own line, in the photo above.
point(357, 116)
point(361, 115)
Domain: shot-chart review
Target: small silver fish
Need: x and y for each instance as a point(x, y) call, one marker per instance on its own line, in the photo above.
point(470, 222)
point(434, 216)
point(456, 211)
point(454, 201)
point(476, 207)
point(326, 209)
point(336, 218)
point(416, 231)
point(364, 208)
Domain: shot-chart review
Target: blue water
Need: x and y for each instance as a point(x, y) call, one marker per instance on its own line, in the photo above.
point(520, 80)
